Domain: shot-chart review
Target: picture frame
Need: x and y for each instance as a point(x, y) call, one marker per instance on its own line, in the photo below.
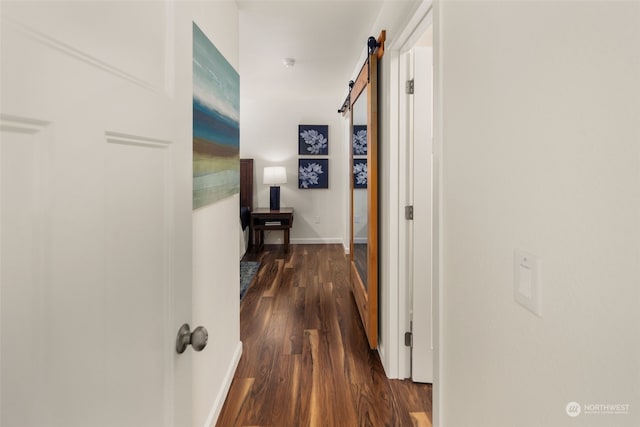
point(215, 124)
point(359, 141)
point(359, 173)
point(313, 173)
point(313, 140)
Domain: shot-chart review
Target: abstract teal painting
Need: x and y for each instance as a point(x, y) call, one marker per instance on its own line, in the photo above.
point(216, 124)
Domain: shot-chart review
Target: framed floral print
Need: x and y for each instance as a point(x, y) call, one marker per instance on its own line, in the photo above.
point(359, 173)
point(359, 140)
point(313, 140)
point(313, 173)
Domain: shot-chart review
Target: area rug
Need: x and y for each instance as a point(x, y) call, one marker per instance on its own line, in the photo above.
point(248, 270)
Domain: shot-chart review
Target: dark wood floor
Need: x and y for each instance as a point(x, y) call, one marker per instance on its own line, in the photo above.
point(306, 361)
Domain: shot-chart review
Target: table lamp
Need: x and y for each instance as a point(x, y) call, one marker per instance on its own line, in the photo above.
point(274, 176)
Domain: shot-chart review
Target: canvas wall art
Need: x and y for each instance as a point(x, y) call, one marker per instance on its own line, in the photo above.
point(313, 173)
point(360, 140)
point(359, 173)
point(216, 123)
point(313, 140)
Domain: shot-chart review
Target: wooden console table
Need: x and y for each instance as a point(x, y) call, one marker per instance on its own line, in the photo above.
point(265, 219)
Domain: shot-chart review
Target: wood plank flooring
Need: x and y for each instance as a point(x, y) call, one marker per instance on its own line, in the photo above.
point(305, 358)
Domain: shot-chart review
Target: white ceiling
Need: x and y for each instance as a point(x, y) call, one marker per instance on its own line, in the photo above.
point(326, 38)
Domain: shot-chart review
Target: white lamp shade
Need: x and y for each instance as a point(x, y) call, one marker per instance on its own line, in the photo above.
point(274, 175)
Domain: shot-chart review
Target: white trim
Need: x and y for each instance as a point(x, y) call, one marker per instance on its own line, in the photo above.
point(381, 353)
point(404, 226)
point(317, 241)
point(389, 277)
point(397, 355)
point(427, 13)
point(214, 413)
point(438, 209)
point(414, 28)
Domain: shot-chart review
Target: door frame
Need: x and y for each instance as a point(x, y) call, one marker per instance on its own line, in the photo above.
point(427, 14)
point(418, 62)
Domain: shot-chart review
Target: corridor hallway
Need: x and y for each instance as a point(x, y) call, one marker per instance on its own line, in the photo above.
point(305, 359)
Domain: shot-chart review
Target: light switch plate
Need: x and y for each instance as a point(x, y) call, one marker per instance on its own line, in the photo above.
point(526, 281)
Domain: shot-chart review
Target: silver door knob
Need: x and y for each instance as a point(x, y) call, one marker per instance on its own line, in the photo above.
point(198, 338)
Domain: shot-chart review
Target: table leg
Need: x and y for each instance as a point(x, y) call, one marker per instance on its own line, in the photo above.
point(286, 240)
point(257, 240)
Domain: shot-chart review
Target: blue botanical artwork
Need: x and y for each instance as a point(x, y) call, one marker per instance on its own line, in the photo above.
point(313, 173)
point(313, 139)
point(359, 140)
point(216, 124)
point(359, 173)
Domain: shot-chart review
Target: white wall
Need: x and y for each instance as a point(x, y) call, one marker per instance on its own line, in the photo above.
point(346, 196)
point(215, 245)
point(269, 135)
point(541, 151)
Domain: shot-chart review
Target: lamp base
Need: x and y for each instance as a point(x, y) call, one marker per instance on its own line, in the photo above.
point(274, 199)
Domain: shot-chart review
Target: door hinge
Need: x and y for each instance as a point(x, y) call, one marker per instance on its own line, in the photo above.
point(408, 212)
point(408, 339)
point(410, 87)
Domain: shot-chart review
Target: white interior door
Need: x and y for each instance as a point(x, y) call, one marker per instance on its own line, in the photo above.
point(95, 264)
point(421, 188)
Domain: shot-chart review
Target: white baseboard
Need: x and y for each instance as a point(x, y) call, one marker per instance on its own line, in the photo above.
point(389, 371)
point(316, 241)
point(382, 358)
point(214, 413)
